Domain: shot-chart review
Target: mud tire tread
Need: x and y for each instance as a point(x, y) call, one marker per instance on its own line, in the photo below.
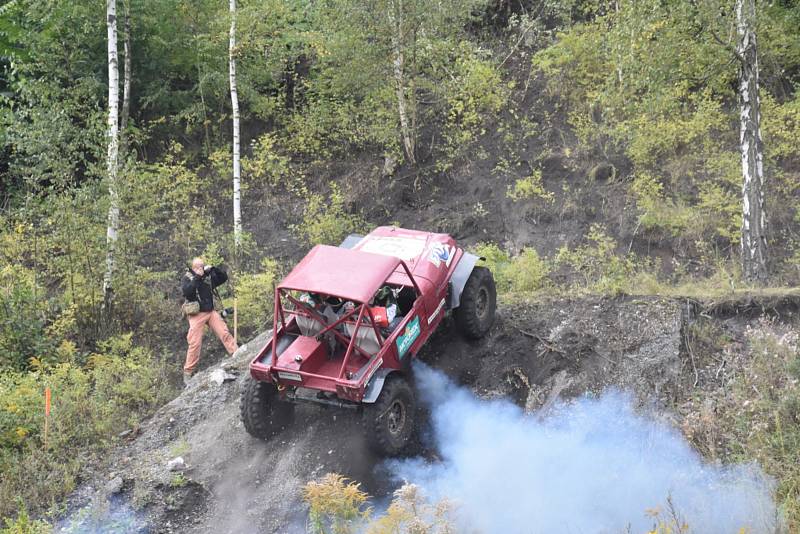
point(261, 411)
point(469, 323)
point(378, 436)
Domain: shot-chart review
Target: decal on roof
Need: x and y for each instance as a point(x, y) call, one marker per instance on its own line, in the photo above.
point(405, 248)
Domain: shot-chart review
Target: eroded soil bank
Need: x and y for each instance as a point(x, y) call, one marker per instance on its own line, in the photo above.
point(535, 354)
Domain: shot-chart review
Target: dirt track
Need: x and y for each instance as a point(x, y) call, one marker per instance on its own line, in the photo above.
point(234, 483)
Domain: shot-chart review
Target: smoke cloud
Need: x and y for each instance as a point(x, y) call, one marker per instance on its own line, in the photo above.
point(592, 465)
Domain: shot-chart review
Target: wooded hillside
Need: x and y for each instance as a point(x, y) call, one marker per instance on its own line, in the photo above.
point(581, 146)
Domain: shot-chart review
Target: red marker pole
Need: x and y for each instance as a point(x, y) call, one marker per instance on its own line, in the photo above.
point(46, 413)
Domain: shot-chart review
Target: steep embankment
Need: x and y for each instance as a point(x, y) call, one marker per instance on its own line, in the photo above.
point(232, 483)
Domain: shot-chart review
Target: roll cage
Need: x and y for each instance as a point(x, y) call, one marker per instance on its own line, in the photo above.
point(361, 316)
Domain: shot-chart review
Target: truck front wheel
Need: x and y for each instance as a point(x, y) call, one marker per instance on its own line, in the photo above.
point(475, 315)
point(391, 420)
point(262, 411)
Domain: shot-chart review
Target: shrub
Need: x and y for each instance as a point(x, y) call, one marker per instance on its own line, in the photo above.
point(602, 269)
point(525, 273)
point(255, 294)
point(23, 524)
point(267, 164)
point(476, 93)
point(23, 319)
point(528, 272)
point(325, 220)
point(91, 404)
point(336, 505)
point(530, 187)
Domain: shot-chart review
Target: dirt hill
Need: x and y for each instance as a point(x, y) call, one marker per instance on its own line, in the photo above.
point(230, 482)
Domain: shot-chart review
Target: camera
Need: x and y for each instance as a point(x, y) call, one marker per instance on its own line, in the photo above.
point(226, 312)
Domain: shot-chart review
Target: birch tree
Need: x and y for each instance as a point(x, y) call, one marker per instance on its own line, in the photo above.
point(754, 215)
point(126, 83)
point(237, 212)
point(113, 153)
point(407, 124)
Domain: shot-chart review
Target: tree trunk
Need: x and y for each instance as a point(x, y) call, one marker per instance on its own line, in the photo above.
point(398, 64)
point(237, 213)
point(126, 83)
point(113, 153)
point(754, 215)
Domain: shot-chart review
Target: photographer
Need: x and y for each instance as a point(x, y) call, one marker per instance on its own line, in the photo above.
point(198, 286)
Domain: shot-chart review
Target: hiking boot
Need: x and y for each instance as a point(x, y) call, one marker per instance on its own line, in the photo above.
point(186, 378)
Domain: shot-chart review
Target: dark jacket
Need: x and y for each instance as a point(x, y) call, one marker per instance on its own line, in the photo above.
point(198, 288)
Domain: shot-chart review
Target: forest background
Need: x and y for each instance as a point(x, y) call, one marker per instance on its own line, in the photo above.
point(581, 146)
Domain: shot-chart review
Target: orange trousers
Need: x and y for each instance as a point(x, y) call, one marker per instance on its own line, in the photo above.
point(197, 325)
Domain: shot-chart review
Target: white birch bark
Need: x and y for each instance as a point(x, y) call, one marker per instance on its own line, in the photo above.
point(754, 215)
point(113, 153)
point(237, 212)
point(398, 67)
point(126, 82)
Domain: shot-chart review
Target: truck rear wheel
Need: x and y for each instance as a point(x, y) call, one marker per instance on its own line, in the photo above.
point(262, 411)
point(475, 315)
point(390, 422)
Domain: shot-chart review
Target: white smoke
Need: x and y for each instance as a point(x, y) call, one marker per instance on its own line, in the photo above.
point(589, 466)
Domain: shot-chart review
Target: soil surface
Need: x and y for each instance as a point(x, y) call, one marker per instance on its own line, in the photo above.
point(231, 482)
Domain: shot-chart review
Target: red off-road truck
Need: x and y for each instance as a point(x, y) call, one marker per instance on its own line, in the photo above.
point(347, 322)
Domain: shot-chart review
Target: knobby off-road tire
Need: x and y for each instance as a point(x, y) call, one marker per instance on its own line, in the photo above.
point(475, 315)
point(391, 421)
point(262, 412)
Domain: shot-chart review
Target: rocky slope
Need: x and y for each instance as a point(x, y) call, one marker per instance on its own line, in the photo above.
point(230, 482)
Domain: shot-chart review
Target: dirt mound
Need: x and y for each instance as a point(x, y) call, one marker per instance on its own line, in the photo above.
point(226, 481)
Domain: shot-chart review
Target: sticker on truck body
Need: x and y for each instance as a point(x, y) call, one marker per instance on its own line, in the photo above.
point(407, 338)
point(441, 253)
point(438, 309)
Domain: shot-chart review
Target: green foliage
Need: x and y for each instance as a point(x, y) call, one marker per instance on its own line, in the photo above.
point(255, 294)
point(336, 505)
point(178, 480)
point(477, 93)
point(650, 81)
point(530, 187)
point(23, 524)
point(602, 269)
point(525, 273)
point(91, 404)
point(325, 220)
point(23, 317)
point(267, 163)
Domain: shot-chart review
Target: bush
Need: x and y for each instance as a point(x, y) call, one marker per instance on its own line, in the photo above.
point(528, 272)
point(23, 524)
point(338, 506)
point(525, 273)
point(91, 404)
point(602, 269)
point(23, 319)
point(255, 294)
point(530, 187)
point(325, 220)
